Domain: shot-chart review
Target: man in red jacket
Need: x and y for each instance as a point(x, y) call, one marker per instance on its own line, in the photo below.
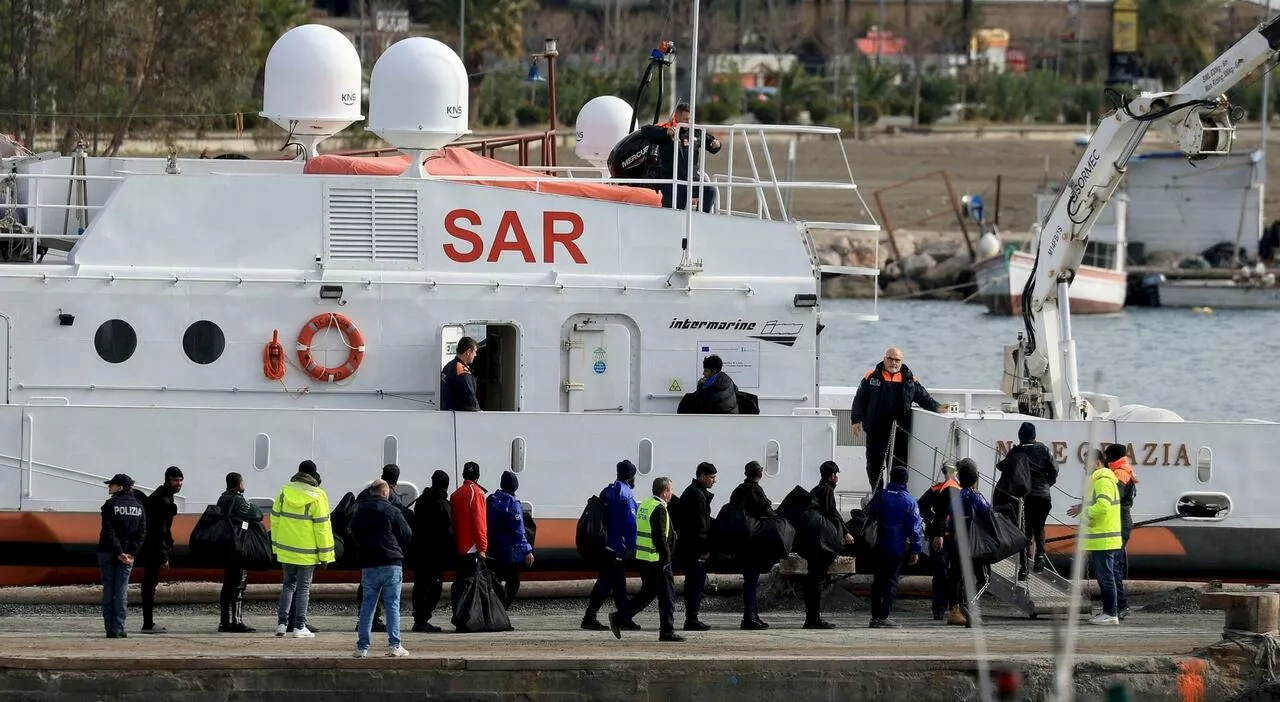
point(470, 520)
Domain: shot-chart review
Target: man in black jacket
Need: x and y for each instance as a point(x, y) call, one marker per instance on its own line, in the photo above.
point(391, 476)
point(677, 161)
point(693, 524)
point(756, 505)
point(716, 392)
point(824, 495)
point(158, 543)
point(457, 384)
point(655, 544)
point(432, 550)
point(1037, 503)
point(234, 576)
point(382, 538)
point(124, 527)
point(885, 396)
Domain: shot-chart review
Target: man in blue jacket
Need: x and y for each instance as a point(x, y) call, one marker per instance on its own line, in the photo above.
point(509, 547)
point(620, 504)
point(901, 537)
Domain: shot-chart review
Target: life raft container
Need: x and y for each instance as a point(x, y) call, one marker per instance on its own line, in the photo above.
point(352, 337)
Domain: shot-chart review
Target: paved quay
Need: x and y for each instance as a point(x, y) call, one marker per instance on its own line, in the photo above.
point(59, 652)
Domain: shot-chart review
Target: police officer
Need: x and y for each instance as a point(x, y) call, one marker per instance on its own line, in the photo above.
point(457, 384)
point(124, 527)
point(158, 544)
point(655, 542)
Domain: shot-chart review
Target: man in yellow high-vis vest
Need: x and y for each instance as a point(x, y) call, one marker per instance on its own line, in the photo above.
point(1100, 526)
point(655, 542)
point(302, 539)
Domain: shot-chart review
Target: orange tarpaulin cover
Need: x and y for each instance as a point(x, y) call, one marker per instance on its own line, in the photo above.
point(453, 161)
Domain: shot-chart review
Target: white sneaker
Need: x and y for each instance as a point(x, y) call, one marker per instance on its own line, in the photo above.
point(303, 633)
point(360, 653)
point(1105, 619)
point(281, 629)
point(396, 652)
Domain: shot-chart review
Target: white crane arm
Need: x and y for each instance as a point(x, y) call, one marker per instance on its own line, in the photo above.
point(1196, 117)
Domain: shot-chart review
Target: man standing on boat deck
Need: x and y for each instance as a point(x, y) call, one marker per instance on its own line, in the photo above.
point(706, 195)
point(620, 510)
point(693, 524)
point(655, 542)
point(457, 384)
point(158, 544)
point(302, 539)
point(885, 396)
point(824, 495)
point(124, 526)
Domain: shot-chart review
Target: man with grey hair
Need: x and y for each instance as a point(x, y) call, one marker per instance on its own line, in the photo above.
point(655, 542)
point(885, 396)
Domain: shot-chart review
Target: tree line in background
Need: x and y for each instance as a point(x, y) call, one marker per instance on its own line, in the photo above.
point(105, 70)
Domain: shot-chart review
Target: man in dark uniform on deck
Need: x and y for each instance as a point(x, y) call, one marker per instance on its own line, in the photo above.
point(457, 384)
point(885, 396)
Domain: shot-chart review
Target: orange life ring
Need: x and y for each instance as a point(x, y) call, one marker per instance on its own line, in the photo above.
point(353, 339)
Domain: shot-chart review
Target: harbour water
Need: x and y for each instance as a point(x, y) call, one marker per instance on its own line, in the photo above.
point(1217, 367)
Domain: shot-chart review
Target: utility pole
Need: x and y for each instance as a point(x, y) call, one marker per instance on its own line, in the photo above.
point(462, 29)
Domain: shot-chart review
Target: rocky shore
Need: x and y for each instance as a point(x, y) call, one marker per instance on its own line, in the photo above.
point(934, 265)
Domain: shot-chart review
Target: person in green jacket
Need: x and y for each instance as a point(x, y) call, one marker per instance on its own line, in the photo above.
point(1100, 527)
point(234, 576)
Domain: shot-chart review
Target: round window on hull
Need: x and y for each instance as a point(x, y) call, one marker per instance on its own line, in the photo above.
point(115, 341)
point(204, 342)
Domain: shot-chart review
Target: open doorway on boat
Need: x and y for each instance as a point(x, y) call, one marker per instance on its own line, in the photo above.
point(497, 364)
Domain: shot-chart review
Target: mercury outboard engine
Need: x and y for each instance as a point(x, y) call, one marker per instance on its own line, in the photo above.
point(639, 154)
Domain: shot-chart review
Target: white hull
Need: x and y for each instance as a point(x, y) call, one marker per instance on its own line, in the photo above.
point(1219, 294)
point(1001, 281)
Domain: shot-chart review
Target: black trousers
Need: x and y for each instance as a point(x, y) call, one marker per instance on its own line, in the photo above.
point(428, 584)
point(1035, 512)
point(612, 580)
point(150, 579)
point(750, 600)
point(509, 575)
point(695, 583)
point(884, 585)
point(877, 446)
point(656, 581)
point(231, 597)
point(944, 593)
point(706, 197)
point(812, 585)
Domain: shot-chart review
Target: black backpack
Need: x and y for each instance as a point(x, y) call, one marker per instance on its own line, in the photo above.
point(593, 531)
point(344, 552)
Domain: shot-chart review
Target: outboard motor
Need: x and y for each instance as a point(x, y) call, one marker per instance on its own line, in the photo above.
point(639, 154)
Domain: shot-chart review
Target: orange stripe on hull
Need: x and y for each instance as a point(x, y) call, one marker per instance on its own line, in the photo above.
point(1144, 541)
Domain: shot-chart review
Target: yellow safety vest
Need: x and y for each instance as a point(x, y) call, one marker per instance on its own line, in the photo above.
point(1101, 525)
point(300, 530)
point(645, 549)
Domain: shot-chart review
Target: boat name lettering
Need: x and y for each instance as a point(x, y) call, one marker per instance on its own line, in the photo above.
point(1149, 453)
point(686, 323)
point(558, 229)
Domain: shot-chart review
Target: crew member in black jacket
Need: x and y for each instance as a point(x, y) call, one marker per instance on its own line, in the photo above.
point(432, 550)
point(124, 527)
point(885, 396)
point(824, 494)
point(693, 524)
point(158, 543)
point(234, 576)
point(457, 384)
point(756, 505)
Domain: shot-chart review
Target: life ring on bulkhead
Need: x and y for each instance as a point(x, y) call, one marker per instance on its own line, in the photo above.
point(351, 337)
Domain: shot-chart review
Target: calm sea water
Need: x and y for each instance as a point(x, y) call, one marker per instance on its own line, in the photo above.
point(1221, 366)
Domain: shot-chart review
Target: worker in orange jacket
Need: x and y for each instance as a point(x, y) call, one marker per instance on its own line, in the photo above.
point(1117, 458)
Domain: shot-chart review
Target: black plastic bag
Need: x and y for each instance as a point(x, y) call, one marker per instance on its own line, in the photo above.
point(770, 540)
point(476, 606)
point(795, 503)
point(593, 531)
point(213, 539)
point(730, 533)
point(253, 547)
point(530, 526)
point(994, 537)
point(748, 403)
point(344, 552)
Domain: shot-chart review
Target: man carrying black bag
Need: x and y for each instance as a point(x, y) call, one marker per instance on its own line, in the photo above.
point(824, 496)
point(235, 577)
point(750, 498)
point(971, 503)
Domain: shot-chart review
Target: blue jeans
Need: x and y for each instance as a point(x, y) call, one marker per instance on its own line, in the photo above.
point(296, 577)
point(115, 591)
point(1104, 569)
point(387, 581)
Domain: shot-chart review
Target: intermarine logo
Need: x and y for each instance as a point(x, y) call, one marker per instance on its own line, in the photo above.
point(783, 333)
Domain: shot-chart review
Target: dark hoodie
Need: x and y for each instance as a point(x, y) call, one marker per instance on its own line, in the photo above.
point(433, 526)
point(507, 539)
point(159, 540)
point(380, 531)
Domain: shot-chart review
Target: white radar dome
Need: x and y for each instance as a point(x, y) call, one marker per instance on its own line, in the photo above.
point(312, 85)
point(418, 97)
point(601, 124)
point(1143, 413)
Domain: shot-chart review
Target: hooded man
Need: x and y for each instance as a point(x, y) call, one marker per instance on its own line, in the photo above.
point(433, 550)
point(901, 538)
point(509, 547)
point(302, 539)
point(620, 506)
point(158, 544)
point(935, 511)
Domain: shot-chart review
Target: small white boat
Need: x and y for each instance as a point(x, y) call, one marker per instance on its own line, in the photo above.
point(1248, 294)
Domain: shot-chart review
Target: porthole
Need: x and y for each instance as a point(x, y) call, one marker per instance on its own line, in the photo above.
point(204, 342)
point(115, 341)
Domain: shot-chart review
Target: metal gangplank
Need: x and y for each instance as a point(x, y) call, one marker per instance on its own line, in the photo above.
point(1042, 594)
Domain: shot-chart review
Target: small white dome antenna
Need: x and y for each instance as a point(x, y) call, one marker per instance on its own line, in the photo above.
point(312, 85)
point(418, 96)
point(601, 124)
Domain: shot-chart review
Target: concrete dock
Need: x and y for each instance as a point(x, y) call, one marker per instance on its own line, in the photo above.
point(60, 652)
